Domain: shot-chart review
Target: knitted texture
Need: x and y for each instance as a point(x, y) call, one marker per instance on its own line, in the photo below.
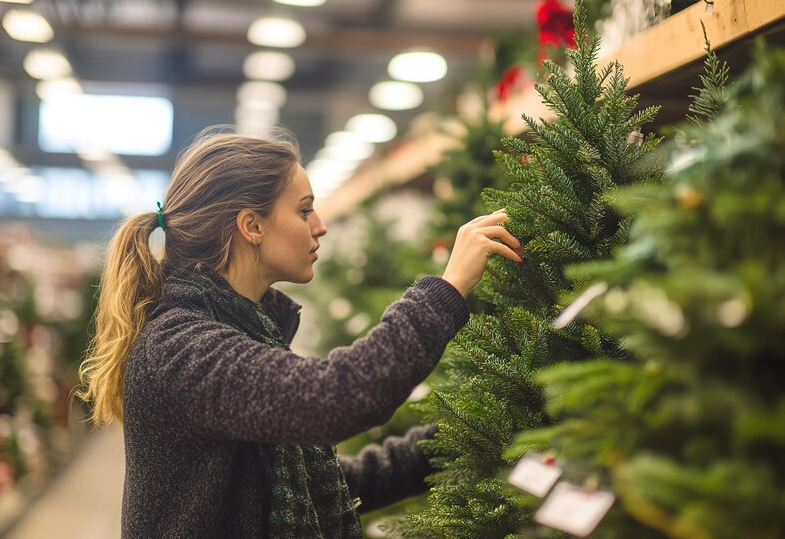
point(309, 498)
point(228, 432)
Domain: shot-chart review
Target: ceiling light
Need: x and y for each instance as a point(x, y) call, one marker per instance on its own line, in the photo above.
point(395, 95)
point(346, 146)
point(327, 175)
point(16, 1)
point(276, 32)
point(417, 66)
point(259, 117)
point(46, 64)
point(372, 127)
point(47, 89)
point(302, 3)
point(266, 65)
point(261, 94)
point(24, 25)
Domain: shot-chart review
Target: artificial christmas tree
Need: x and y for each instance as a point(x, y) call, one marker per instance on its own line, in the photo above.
point(690, 434)
point(558, 209)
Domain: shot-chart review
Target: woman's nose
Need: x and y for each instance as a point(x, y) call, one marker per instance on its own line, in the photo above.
point(319, 228)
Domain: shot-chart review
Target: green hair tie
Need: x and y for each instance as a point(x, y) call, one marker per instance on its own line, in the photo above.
point(161, 216)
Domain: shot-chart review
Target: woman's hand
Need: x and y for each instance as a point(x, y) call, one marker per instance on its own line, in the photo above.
point(474, 244)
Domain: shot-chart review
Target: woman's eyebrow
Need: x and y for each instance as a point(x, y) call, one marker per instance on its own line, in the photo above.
point(306, 197)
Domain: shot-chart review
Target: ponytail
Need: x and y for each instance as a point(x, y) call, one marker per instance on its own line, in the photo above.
point(131, 284)
point(217, 177)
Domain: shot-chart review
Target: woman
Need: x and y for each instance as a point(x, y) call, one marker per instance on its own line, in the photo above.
point(227, 432)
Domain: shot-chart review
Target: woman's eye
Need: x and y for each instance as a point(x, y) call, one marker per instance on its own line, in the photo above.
point(307, 211)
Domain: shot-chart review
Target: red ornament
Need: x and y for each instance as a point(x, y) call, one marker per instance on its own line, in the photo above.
point(511, 81)
point(555, 26)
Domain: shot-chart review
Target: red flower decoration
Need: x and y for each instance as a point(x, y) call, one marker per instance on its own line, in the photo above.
point(510, 82)
point(555, 25)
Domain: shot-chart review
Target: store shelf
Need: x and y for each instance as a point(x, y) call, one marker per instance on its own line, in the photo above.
point(665, 78)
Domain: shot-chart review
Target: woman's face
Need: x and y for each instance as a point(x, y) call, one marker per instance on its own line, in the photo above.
point(288, 247)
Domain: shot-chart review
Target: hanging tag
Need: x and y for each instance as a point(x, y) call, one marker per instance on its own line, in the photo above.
point(574, 509)
point(574, 309)
point(535, 473)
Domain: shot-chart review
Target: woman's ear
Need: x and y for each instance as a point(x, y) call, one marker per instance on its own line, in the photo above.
point(250, 226)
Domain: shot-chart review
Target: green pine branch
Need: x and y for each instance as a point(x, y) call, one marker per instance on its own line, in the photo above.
point(558, 180)
point(712, 95)
point(689, 432)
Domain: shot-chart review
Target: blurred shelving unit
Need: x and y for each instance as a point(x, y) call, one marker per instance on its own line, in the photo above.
point(663, 64)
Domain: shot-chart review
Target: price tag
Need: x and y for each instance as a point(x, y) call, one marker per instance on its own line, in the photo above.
point(574, 509)
point(535, 473)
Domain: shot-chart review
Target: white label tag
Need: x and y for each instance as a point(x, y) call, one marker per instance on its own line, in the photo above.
point(534, 474)
point(574, 509)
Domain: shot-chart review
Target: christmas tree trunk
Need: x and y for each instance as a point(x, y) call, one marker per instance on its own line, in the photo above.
point(690, 435)
point(557, 202)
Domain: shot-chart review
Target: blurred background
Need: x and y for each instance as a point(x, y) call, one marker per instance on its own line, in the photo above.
point(396, 104)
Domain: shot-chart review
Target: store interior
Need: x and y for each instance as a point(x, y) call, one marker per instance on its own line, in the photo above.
point(404, 111)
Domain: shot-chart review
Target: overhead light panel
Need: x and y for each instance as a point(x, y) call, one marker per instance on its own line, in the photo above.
point(26, 25)
point(16, 1)
point(372, 127)
point(276, 32)
point(268, 65)
point(395, 95)
point(418, 66)
point(302, 3)
point(46, 64)
point(261, 94)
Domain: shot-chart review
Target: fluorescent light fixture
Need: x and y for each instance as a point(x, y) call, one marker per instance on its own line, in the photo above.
point(276, 32)
point(327, 175)
point(29, 188)
point(16, 1)
point(46, 64)
point(268, 65)
point(417, 66)
point(255, 120)
point(48, 89)
point(261, 94)
point(118, 124)
point(301, 3)
point(26, 25)
point(372, 127)
point(395, 95)
point(347, 146)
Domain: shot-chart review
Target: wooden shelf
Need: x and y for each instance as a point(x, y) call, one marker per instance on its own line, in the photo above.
point(666, 77)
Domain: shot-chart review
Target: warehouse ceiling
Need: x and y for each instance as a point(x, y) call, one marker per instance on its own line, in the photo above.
point(192, 51)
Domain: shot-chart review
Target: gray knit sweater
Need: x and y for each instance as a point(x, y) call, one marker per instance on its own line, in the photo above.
point(199, 395)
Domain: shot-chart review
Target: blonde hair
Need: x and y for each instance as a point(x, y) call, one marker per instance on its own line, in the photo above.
point(216, 177)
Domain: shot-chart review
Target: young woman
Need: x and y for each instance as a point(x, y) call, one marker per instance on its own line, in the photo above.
point(227, 432)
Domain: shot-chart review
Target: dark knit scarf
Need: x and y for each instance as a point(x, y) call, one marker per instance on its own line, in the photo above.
point(308, 495)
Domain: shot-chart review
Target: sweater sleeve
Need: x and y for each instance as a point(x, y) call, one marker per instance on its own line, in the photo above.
point(218, 379)
point(383, 474)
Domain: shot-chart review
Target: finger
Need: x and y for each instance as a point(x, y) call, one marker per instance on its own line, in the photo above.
point(487, 216)
point(496, 218)
point(503, 250)
point(502, 234)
